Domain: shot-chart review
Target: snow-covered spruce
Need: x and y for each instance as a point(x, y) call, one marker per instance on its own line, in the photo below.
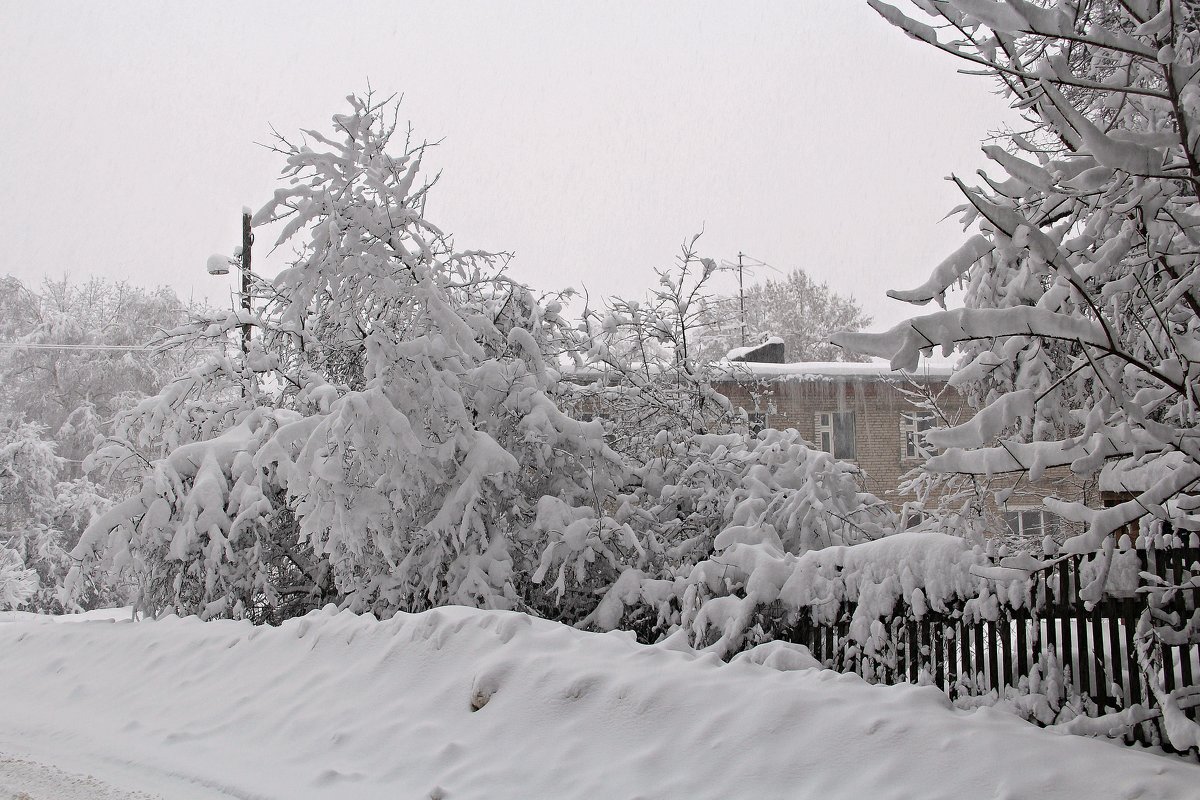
point(387, 439)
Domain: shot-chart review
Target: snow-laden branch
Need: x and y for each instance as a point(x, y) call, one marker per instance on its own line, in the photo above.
point(946, 274)
point(903, 344)
point(987, 424)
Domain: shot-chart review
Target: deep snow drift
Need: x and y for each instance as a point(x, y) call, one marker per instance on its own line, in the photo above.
point(459, 703)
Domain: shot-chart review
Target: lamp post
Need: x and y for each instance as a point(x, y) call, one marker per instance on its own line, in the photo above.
point(247, 242)
point(219, 265)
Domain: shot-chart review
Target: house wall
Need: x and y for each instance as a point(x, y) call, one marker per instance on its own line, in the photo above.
point(879, 404)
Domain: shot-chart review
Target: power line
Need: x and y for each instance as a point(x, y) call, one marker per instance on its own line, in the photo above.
point(46, 346)
point(757, 262)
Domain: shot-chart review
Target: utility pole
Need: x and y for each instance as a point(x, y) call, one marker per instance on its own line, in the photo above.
point(741, 301)
point(247, 241)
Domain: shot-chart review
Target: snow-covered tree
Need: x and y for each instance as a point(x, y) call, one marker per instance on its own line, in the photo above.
point(1081, 320)
point(699, 482)
point(649, 354)
point(392, 439)
point(32, 558)
point(1081, 325)
point(73, 359)
point(17, 582)
point(73, 356)
point(798, 309)
point(648, 379)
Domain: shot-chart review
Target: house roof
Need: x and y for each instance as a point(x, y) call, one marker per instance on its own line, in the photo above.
point(726, 370)
point(740, 353)
point(876, 369)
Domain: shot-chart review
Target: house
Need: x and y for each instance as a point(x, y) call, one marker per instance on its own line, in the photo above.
point(865, 413)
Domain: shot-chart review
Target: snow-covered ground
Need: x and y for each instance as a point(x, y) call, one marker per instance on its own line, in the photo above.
point(459, 703)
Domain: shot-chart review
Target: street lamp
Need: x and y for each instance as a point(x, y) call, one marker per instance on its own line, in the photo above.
point(219, 265)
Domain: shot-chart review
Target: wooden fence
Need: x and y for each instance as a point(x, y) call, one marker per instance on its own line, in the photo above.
point(1052, 645)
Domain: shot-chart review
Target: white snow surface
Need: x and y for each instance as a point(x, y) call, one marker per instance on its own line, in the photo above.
point(459, 703)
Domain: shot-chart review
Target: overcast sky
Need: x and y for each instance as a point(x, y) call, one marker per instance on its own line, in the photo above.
point(589, 139)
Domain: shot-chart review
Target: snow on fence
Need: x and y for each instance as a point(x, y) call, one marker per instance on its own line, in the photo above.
point(1051, 657)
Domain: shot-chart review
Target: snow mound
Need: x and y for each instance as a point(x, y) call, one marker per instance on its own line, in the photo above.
point(459, 703)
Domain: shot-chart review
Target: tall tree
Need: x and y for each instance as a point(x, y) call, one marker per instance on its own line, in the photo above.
point(1082, 321)
point(797, 309)
point(706, 498)
point(390, 441)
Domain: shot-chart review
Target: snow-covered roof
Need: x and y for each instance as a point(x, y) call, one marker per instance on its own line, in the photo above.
point(877, 369)
point(741, 352)
point(1127, 475)
point(817, 370)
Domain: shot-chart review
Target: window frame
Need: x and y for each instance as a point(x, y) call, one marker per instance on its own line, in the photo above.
point(1019, 512)
point(910, 428)
point(826, 427)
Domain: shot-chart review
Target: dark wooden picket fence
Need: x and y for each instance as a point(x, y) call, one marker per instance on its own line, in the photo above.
point(1089, 656)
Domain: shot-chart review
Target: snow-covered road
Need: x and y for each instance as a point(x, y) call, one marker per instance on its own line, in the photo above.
point(28, 778)
point(22, 779)
point(464, 704)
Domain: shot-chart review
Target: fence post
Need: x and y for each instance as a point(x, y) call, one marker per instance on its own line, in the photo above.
point(914, 650)
point(1082, 665)
point(1064, 598)
point(980, 658)
point(993, 660)
point(1021, 620)
point(1117, 678)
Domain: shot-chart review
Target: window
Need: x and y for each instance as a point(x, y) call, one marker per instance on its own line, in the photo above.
point(835, 433)
point(1034, 523)
point(912, 429)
